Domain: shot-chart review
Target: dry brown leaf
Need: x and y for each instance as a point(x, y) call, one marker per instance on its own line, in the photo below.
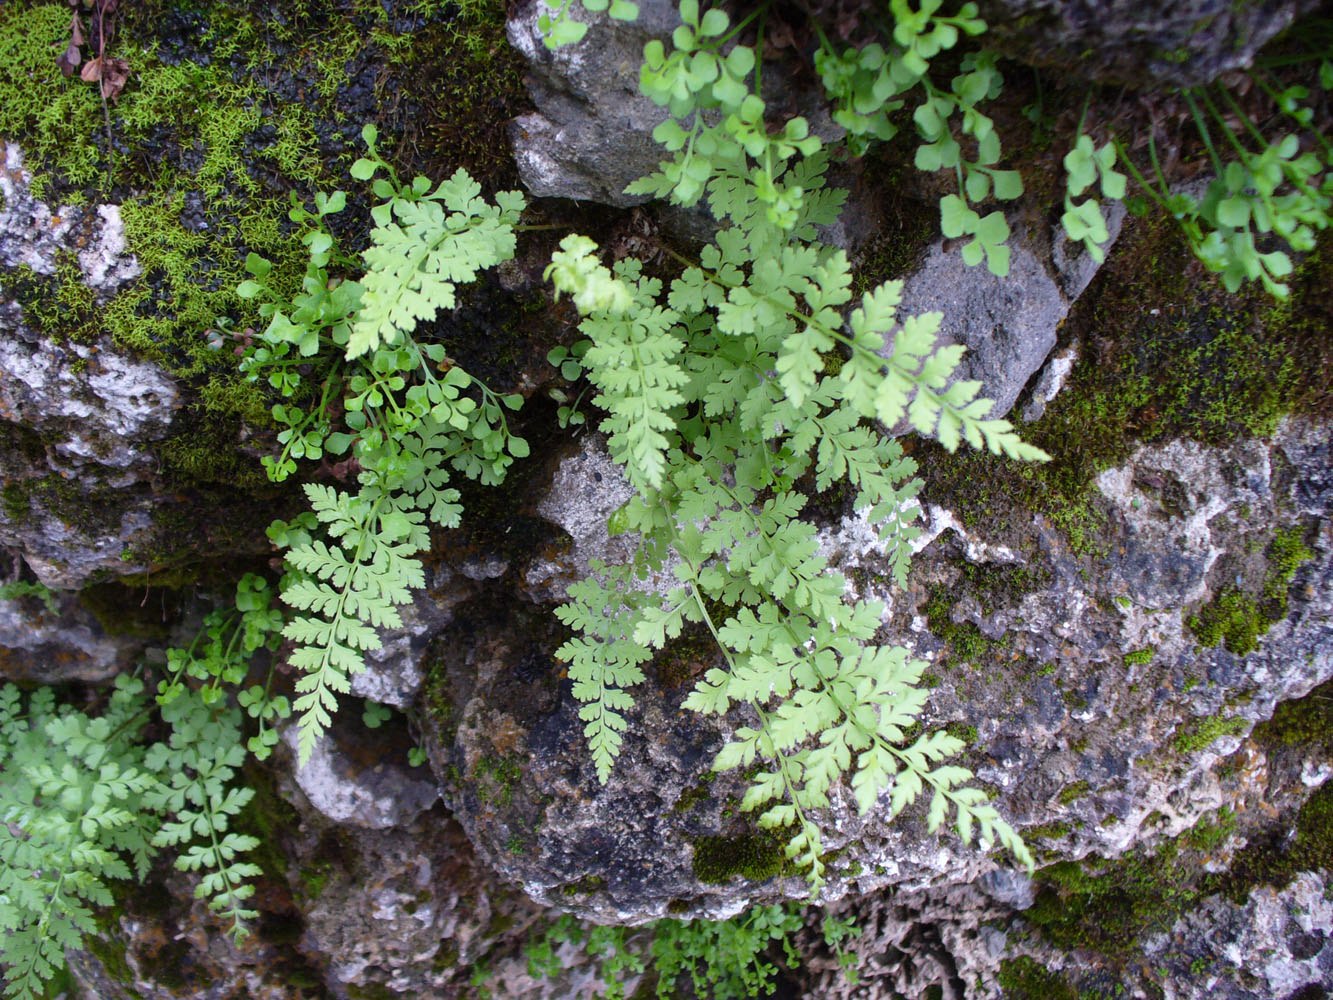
point(68, 61)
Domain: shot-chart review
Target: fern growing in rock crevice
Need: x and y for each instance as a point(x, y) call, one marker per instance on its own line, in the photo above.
point(719, 403)
point(85, 802)
point(412, 417)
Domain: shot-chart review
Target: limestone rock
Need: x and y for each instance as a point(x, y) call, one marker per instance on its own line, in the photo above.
point(58, 643)
point(591, 134)
point(1180, 43)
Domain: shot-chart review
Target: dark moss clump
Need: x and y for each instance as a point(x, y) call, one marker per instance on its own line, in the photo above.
point(964, 642)
point(1277, 860)
point(59, 305)
point(699, 793)
point(1305, 723)
point(1232, 618)
point(1236, 618)
point(1023, 979)
point(998, 585)
point(1108, 911)
point(754, 856)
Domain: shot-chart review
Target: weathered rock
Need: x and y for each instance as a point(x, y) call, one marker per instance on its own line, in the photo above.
point(591, 135)
point(1277, 944)
point(626, 850)
point(58, 642)
point(351, 780)
point(1180, 43)
point(1007, 324)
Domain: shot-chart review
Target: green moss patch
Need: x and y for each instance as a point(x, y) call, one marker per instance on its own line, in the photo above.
point(1024, 979)
point(1166, 353)
point(753, 856)
point(1237, 619)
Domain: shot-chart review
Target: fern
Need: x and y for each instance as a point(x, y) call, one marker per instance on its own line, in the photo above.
point(84, 804)
point(720, 403)
point(411, 418)
point(349, 591)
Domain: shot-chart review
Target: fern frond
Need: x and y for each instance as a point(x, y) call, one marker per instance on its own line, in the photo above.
point(352, 589)
point(419, 253)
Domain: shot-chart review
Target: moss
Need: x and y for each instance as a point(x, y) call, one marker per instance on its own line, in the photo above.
point(699, 793)
point(1047, 831)
point(964, 642)
point(494, 779)
point(59, 305)
point(962, 731)
point(1190, 361)
point(1237, 618)
point(1277, 860)
point(997, 585)
point(1210, 834)
point(1023, 978)
point(753, 856)
point(584, 886)
point(1073, 792)
point(1304, 723)
point(1139, 657)
point(1201, 733)
point(1232, 618)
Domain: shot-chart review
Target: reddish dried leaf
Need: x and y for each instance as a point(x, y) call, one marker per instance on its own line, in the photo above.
point(69, 60)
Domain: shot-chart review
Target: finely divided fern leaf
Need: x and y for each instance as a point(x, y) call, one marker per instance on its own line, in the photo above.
point(421, 250)
point(351, 589)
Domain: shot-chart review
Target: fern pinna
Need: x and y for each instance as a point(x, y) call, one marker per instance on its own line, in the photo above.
point(726, 392)
point(412, 418)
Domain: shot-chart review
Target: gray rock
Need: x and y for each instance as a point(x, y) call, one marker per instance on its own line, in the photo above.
point(625, 850)
point(1280, 941)
point(91, 405)
point(32, 232)
point(1007, 324)
point(44, 645)
point(352, 781)
point(1180, 43)
point(591, 134)
point(394, 672)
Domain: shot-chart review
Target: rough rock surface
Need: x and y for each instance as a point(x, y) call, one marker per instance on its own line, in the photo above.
point(59, 643)
point(1183, 43)
point(1043, 730)
point(590, 136)
point(1276, 944)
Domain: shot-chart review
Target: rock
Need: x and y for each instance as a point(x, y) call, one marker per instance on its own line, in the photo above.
point(393, 673)
point(59, 642)
point(1181, 43)
point(351, 779)
point(591, 134)
point(32, 233)
point(1280, 941)
point(1007, 324)
point(91, 405)
point(1050, 382)
point(1052, 743)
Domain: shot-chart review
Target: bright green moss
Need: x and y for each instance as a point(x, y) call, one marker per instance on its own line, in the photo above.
point(1232, 618)
point(1074, 792)
point(1203, 732)
point(964, 642)
point(1139, 657)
